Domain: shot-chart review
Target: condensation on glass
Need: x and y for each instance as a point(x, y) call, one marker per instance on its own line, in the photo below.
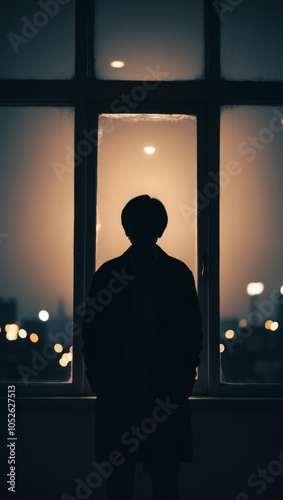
point(38, 40)
point(160, 40)
point(251, 36)
point(251, 245)
point(167, 171)
point(36, 244)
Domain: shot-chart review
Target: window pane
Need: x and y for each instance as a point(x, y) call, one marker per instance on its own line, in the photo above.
point(125, 170)
point(36, 243)
point(159, 40)
point(252, 40)
point(38, 39)
point(251, 244)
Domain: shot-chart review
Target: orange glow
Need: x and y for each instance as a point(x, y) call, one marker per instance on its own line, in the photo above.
point(229, 334)
point(221, 347)
point(12, 331)
point(33, 337)
point(268, 324)
point(242, 323)
point(58, 348)
point(67, 356)
point(10, 335)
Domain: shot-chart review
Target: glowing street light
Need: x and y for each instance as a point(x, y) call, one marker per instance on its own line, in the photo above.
point(255, 288)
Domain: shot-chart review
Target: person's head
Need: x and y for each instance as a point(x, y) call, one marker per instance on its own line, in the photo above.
point(144, 220)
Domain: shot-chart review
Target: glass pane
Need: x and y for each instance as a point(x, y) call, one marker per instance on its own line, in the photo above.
point(125, 170)
point(251, 35)
point(36, 243)
point(251, 244)
point(159, 40)
point(38, 39)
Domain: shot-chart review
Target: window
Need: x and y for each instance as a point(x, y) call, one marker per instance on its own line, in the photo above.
point(144, 153)
point(251, 298)
point(37, 203)
point(188, 84)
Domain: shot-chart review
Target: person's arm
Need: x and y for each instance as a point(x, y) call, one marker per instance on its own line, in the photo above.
point(192, 330)
point(92, 332)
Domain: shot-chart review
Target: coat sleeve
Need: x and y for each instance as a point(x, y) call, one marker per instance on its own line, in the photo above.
point(92, 330)
point(191, 328)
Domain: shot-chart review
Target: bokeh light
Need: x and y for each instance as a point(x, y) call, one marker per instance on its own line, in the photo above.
point(58, 348)
point(22, 333)
point(274, 326)
point(229, 334)
point(255, 288)
point(221, 347)
point(43, 315)
point(33, 337)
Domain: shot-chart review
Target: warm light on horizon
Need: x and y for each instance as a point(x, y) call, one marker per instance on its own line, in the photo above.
point(255, 288)
point(149, 150)
point(117, 64)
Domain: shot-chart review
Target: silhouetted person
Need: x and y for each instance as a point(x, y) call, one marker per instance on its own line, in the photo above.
point(142, 339)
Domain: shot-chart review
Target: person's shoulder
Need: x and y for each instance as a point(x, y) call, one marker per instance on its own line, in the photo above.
point(173, 263)
point(114, 263)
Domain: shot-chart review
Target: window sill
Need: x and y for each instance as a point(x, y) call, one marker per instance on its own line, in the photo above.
point(196, 403)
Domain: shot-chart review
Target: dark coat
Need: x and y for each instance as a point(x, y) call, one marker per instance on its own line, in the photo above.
point(166, 430)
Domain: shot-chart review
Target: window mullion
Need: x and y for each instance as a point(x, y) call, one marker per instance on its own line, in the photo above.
point(211, 193)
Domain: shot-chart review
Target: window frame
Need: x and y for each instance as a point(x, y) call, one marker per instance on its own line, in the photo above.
point(204, 98)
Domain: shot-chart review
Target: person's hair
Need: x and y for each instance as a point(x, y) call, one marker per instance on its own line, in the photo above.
point(144, 208)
